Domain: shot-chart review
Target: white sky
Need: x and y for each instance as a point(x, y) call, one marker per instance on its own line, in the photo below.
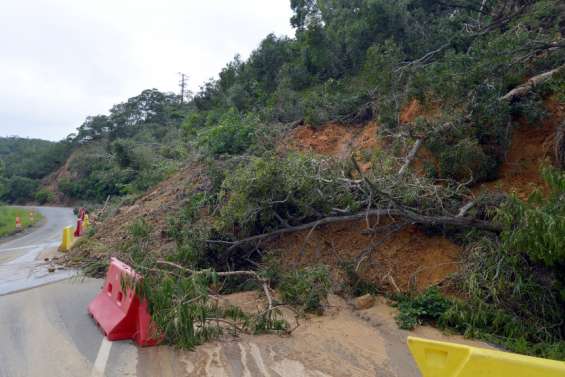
point(61, 60)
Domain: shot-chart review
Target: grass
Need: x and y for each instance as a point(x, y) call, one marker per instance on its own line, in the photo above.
point(8, 219)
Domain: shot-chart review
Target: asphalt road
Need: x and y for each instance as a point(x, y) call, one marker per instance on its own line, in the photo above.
point(44, 326)
point(21, 263)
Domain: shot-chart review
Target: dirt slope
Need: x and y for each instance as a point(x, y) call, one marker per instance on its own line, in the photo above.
point(408, 259)
point(155, 207)
point(335, 140)
point(531, 146)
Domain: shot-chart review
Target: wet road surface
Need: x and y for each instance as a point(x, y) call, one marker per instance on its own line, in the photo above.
point(21, 265)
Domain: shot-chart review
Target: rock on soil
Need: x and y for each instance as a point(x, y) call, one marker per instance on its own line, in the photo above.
point(364, 302)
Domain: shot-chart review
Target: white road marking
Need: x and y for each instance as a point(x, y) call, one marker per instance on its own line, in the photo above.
point(101, 358)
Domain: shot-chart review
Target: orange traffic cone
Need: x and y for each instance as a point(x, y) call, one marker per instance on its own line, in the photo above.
point(18, 222)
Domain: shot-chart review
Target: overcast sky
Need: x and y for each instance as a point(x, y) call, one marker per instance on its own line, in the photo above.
point(61, 60)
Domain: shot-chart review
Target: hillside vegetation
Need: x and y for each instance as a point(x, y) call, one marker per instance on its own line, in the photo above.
point(24, 162)
point(379, 145)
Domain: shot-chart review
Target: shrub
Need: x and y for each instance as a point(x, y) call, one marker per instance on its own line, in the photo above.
point(536, 227)
point(43, 196)
point(353, 284)
point(509, 300)
point(307, 288)
point(334, 101)
point(232, 135)
point(464, 161)
point(269, 192)
point(426, 307)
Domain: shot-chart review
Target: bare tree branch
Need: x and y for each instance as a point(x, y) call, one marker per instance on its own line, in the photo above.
point(463, 211)
point(411, 156)
point(252, 274)
point(523, 89)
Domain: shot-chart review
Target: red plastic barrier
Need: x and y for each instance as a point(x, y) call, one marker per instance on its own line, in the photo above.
point(81, 212)
point(78, 229)
point(118, 310)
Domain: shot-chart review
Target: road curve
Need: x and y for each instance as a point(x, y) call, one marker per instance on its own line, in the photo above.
point(44, 328)
point(20, 264)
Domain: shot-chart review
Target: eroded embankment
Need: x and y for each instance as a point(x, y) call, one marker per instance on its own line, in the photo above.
point(399, 260)
point(531, 146)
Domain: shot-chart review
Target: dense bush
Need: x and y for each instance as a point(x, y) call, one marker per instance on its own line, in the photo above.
point(233, 134)
point(464, 161)
point(537, 227)
point(20, 189)
point(306, 288)
point(43, 196)
point(32, 158)
point(271, 192)
point(509, 301)
point(427, 307)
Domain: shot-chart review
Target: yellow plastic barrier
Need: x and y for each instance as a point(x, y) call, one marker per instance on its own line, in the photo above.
point(68, 239)
point(441, 359)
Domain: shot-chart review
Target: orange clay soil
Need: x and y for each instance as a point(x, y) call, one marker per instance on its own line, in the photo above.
point(408, 115)
point(531, 145)
point(414, 109)
point(408, 259)
point(411, 111)
point(335, 140)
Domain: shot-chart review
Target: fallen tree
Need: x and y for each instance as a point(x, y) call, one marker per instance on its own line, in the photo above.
point(525, 88)
point(413, 217)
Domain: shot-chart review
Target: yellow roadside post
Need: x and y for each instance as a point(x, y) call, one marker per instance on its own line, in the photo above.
point(68, 239)
point(442, 359)
point(85, 222)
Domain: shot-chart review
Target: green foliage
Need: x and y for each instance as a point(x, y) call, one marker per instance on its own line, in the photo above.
point(306, 288)
point(150, 109)
point(509, 300)
point(193, 122)
point(120, 167)
point(179, 297)
point(20, 189)
point(530, 108)
point(427, 307)
point(31, 158)
point(536, 227)
point(464, 161)
point(333, 101)
point(44, 196)
point(233, 134)
point(295, 188)
point(188, 233)
point(24, 162)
